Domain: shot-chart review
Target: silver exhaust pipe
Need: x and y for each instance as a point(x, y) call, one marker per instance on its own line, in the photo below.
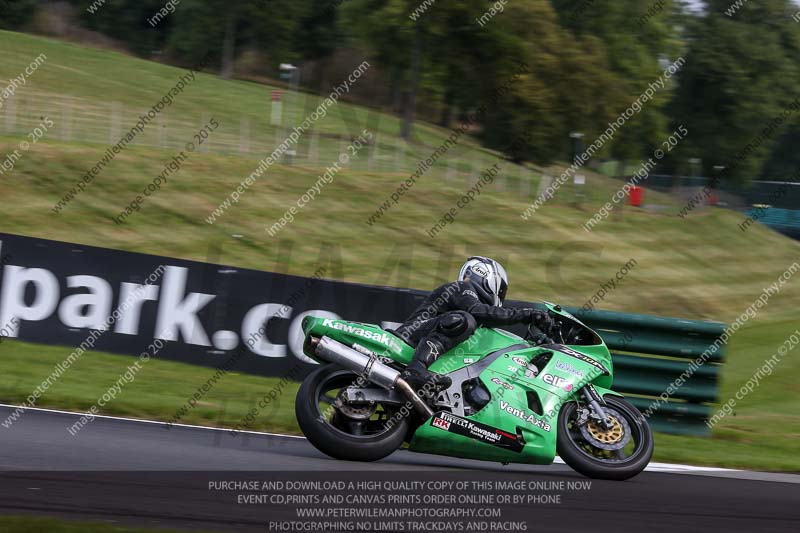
point(370, 367)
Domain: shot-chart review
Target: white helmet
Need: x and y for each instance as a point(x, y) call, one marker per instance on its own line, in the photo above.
point(488, 277)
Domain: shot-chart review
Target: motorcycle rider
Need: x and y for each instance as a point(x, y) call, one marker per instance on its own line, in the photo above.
point(452, 312)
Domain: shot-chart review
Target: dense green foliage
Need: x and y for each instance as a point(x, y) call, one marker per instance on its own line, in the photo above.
point(587, 61)
point(741, 74)
point(16, 13)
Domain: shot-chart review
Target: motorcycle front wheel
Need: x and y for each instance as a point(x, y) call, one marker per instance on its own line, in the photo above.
point(352, 432)
point(617, 453)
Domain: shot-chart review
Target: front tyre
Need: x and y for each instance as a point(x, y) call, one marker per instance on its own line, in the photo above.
point(618, 453)
point(360, 432)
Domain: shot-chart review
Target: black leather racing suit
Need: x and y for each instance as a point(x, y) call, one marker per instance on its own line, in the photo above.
point(448, 316)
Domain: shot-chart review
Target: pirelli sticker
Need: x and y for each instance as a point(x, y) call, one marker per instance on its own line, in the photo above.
point(577, 355)
point(476, 430)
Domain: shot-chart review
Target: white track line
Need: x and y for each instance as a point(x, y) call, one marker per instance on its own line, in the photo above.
point(652, 467)
point(674, 469)
point(145, 421)
point(677, 468)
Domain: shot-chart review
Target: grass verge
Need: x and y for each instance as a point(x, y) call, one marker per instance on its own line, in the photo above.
point(159, 391)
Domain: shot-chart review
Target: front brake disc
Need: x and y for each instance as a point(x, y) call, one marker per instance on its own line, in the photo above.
point(614, 438)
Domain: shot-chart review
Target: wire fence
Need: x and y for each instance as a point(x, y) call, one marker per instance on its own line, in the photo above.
point(100, 122)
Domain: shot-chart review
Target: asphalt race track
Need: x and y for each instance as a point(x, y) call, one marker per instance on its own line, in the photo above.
point(140, 473)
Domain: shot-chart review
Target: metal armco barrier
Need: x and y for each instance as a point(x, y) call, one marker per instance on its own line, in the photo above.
point(61, 293)
point(650, 353)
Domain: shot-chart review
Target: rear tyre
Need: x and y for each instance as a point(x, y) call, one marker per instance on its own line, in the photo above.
point(364, 432)
point(617, 454)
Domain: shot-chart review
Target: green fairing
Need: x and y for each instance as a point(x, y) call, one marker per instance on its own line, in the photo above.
point(369, 336)
point(508, 410)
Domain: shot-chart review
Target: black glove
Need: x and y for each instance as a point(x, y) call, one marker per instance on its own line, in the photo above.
point(542, 320)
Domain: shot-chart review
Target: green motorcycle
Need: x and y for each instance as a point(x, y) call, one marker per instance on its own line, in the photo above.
point(513, 399)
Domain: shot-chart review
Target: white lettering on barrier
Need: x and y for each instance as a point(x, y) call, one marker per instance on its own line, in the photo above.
point(254, 329)
point(136, 295)
point(12, 300)
point(33, 294)
point(87, 310)
point(178, 311)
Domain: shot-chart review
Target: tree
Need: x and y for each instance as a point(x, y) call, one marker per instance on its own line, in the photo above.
point(741, 75)
point(638, 40)
point(569, 85)
point(398, 47)
point(16, 13)
point(197, 32)
point(127, 21)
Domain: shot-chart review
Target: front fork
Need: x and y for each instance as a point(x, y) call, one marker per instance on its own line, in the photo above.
point(597, 404)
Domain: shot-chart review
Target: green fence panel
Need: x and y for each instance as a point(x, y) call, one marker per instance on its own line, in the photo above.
point(650, 376)
point(658, 351)
point(676, 418)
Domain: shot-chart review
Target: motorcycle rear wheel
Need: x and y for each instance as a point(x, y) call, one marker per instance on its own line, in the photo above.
point(338, 435)
point(581, 448)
